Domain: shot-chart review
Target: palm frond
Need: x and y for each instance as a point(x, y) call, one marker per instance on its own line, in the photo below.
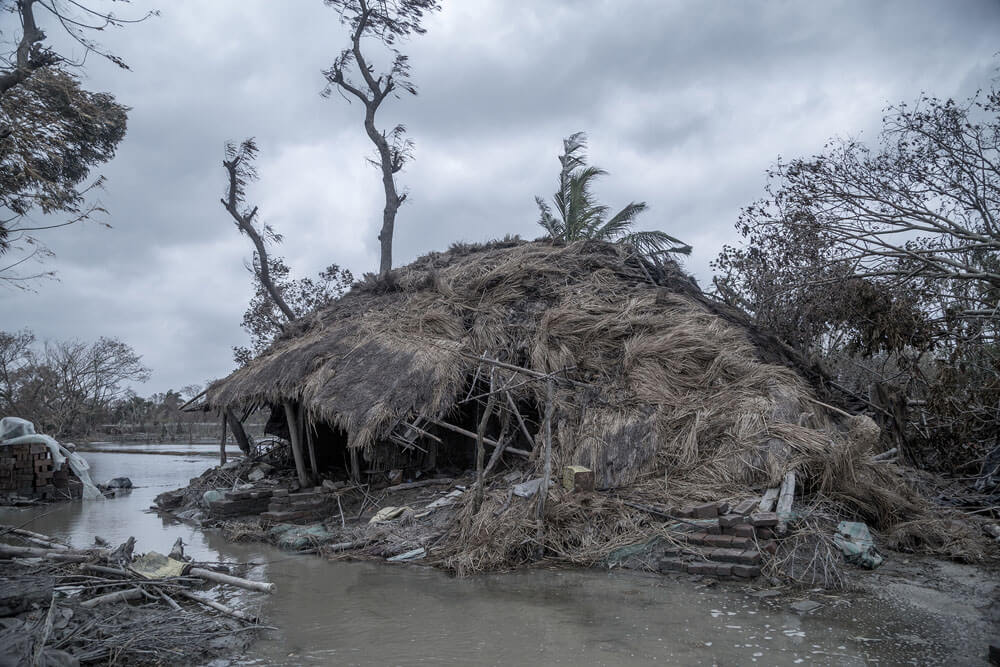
point(652, 243)
point(619, 224)
point(549, 222)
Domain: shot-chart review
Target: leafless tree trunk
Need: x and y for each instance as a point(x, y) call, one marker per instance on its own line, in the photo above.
point(240, 169)
point(386, 21)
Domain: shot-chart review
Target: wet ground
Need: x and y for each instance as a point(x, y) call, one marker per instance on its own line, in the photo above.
point(918, 612)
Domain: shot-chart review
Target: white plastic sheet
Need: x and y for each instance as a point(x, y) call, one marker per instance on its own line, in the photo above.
point(17, 431)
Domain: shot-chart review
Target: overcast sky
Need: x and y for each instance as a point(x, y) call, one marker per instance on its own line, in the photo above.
point(685, 103)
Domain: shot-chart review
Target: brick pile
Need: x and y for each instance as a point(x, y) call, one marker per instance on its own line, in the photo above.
point(27, 470)
point(722, 541)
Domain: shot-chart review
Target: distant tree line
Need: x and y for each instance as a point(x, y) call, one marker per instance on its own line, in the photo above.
point(73, 388)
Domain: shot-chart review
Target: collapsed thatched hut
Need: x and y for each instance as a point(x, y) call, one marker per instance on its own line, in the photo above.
point(659, 390)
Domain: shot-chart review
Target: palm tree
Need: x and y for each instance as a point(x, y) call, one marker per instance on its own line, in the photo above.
point(579, 216)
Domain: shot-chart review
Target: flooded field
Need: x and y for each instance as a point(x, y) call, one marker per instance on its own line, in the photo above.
point(371, 613)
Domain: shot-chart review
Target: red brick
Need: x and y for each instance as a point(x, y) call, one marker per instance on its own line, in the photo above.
point(765, 533)
point(696, 537)
point(727, 555)
point(770, 546)
point(746, 571)
point(722, 508)
point(719, 540)
point(751, 557)
point(682, 512)
point(722, 569)
point(730, 520)
point(672, 564)
point(706, 511)
point(745, 507)
point(743, 530)
point(701, 568)
point(742, 542)
point(766, 519)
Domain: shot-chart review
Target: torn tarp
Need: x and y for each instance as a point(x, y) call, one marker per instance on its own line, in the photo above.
point(856, 543)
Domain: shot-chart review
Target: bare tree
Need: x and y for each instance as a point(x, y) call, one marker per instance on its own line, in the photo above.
point(240, 170)
point(386, 21)
point(65, 386)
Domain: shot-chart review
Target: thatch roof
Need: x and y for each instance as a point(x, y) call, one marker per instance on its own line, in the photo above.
point(671, 378)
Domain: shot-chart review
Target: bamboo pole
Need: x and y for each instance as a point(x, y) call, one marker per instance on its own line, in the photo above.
point(488, 441)
point(218, 577)
point(543, 491)
point(296, 440)
point(222, 443)
point(307, 427)
point(480, 448)
point(520, 420)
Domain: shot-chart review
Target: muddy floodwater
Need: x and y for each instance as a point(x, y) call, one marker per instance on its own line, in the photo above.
point(371, 613)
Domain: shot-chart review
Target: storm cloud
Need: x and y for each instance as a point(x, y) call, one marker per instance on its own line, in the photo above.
point(685, 103)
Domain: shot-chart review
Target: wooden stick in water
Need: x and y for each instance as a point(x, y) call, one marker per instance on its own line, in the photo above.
point(218, 577)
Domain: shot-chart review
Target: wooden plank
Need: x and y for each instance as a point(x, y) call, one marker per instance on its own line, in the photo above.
point(785, 499)
point(768, 500)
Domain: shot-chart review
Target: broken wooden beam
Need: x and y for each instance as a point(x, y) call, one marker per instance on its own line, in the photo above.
point(768, 500)
point(785, 499)
point(470, 434)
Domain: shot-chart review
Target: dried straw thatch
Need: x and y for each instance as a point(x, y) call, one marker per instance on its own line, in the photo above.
point(672, 396)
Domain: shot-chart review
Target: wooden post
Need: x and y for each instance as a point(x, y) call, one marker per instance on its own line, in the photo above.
point(296, 439)
point(785, 499)
point(543, 490)
point(480, 448)
point(222, 443)
point(355, 466)
point(307, 427)
point(237, 428)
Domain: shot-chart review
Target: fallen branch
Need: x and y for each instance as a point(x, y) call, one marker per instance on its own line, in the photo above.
point(117, 596)
point(219, 607)
point(34, 538)
point(48, 554)
point(218, 577)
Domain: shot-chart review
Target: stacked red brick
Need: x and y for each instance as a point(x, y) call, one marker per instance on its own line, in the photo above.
point(722, 541)
point(27, 470)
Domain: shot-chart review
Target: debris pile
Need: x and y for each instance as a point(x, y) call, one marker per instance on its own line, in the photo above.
point(62, 605)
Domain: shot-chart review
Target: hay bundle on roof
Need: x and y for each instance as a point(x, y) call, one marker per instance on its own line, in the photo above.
point(659, 389)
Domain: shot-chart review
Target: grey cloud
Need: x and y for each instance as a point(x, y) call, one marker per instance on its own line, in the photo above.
point(686, 104)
